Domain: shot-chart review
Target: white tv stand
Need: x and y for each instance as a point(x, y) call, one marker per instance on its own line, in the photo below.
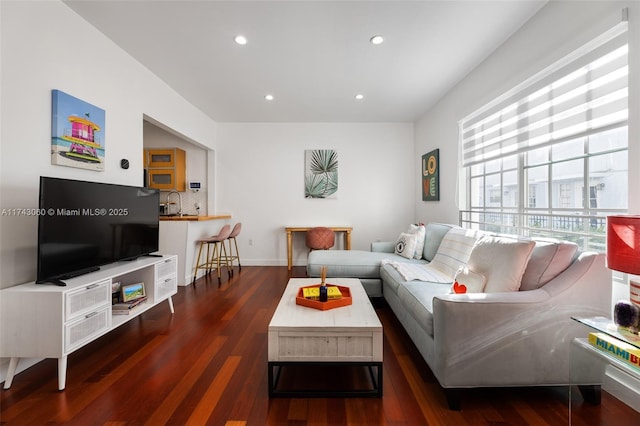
point(49, 321)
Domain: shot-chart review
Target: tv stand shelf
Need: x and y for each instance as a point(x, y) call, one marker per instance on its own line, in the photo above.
point(49, 321)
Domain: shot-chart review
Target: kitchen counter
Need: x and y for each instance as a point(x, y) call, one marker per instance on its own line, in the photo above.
point(179, 236)
point(195, 218)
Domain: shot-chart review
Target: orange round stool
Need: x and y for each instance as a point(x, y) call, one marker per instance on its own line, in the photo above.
point(320, 238)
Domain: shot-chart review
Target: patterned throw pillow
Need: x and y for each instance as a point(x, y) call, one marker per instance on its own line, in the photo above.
point(406, 245)
point(454, 250)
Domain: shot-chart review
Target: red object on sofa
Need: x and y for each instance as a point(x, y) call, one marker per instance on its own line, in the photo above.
point(320, 238)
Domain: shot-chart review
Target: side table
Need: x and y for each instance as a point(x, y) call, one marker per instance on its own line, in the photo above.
point(592, 367)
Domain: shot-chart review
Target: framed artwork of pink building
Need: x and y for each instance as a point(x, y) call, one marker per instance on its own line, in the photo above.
point(77, 132)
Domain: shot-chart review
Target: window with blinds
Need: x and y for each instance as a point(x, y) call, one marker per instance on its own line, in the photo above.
point(550, 156)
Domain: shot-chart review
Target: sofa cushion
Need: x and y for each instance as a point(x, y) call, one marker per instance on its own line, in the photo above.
point(501, 260)
point(549, 258)
point(454, 250)
point(433, 235)
point(350, 263)
point(417, 299)
point(419, 231)
point(411, 271)
point(406, 245)
point(391, 277)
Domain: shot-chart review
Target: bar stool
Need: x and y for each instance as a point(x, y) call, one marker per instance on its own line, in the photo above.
point(234, 257)
point(212, 261)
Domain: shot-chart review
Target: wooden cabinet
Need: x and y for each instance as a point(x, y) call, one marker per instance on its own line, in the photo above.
point(166, 168)
point(163, 158)
point(47, 321)
point(165, 179)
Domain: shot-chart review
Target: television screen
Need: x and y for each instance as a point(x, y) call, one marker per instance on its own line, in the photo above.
point(83, 225)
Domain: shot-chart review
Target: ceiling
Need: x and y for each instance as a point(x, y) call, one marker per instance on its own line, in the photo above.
point(312, 56)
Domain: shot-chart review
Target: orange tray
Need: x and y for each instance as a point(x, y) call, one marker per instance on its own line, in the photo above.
point(345, 300)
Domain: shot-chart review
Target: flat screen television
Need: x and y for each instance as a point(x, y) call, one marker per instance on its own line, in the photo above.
point(84, 225)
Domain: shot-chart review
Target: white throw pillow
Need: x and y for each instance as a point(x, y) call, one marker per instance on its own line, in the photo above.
point(501, 260)
point(419, 231)
point(406, 245)
point(468, 281)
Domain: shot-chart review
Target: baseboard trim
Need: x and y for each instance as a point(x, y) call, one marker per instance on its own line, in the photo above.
point(623, 386)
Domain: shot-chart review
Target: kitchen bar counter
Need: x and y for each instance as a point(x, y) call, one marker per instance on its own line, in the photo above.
point(195, 218)
point(178, 235)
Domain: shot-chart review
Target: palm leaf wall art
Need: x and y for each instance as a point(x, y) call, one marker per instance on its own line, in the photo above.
point(321, 173)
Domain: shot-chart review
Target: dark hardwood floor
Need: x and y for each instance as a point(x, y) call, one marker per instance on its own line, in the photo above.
point(207, 364)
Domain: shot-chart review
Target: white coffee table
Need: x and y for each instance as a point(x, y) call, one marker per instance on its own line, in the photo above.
point(348, 335)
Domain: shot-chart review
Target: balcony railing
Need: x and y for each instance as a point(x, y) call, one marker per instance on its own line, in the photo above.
point(589, 232)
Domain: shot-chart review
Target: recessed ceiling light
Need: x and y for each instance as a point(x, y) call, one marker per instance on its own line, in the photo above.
point(359, 96)
point(377, 39)
point(241, 40)
point(268, 97)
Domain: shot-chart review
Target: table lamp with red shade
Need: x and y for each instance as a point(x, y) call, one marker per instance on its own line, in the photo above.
point(623, 255)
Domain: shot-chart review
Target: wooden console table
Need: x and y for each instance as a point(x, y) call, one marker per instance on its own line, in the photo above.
point(291, 229)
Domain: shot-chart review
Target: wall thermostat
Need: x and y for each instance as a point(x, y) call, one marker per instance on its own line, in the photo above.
point(195, 186)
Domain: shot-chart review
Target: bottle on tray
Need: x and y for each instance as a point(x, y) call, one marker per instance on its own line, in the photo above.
point(323, 285)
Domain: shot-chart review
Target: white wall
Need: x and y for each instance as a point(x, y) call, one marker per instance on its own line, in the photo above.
point(260, 181)
point(38, 39)
point(558, 29)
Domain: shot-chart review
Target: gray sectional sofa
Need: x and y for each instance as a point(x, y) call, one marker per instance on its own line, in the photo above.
point(512, 328)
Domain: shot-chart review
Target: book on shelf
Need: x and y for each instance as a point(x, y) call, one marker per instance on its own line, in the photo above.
point(313, 293)
point(127, 306)
point(623, 351)
point(121, 312)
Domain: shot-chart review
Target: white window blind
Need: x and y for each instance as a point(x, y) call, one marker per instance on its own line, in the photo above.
point(584, 93)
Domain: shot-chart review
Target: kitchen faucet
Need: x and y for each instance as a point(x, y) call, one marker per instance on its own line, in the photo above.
point(179, 201)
